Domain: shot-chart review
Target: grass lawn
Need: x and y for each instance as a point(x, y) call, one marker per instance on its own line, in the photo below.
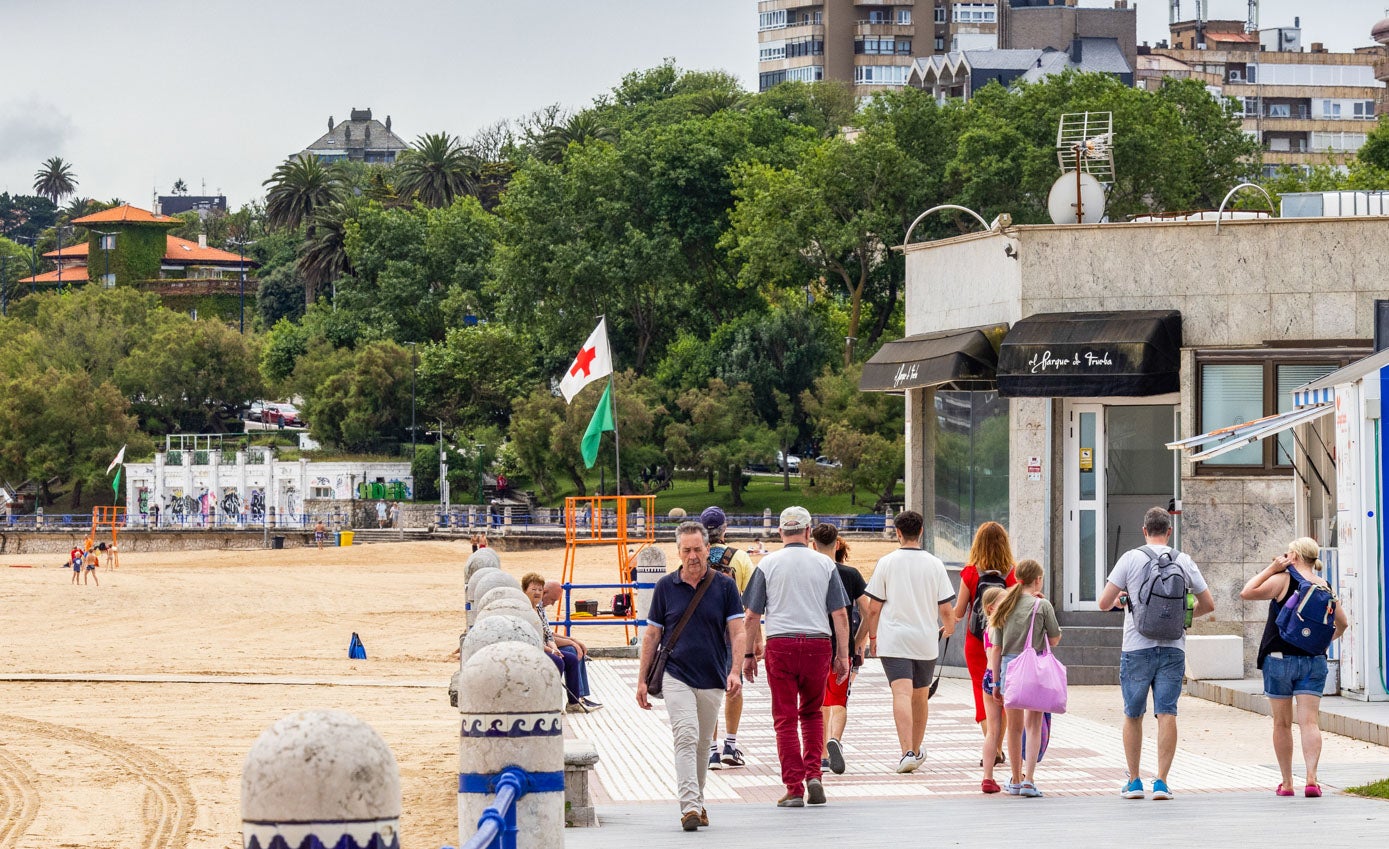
point(763, 492)
point(1377, 790)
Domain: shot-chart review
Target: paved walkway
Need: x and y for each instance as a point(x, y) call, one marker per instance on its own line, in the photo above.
point(1081, 774)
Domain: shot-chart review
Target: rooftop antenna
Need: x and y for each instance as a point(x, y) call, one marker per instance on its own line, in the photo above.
point(1085, 152)
point(1251, 23)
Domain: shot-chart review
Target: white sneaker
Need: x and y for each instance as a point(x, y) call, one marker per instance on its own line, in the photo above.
point(908, 763)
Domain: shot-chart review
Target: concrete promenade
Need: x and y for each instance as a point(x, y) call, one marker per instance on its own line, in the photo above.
point(1223, 777)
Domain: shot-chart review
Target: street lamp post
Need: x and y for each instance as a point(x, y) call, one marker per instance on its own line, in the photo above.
point(241, 244)
point(414, 368)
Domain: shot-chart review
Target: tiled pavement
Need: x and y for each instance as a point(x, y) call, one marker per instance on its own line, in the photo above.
point(1085, 757)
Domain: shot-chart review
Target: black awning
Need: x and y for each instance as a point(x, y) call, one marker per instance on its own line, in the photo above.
point(1091, 355)
point(962, 360)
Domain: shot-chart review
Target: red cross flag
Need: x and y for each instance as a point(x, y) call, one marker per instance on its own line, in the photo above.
point(593, 362)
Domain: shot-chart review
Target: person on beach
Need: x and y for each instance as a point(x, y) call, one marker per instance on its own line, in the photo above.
point(911, 603)
point(990, 563)
point(1021, 612)
point(92, 560)
point(1294, 678)
point(827, 541)
point(76, 558)
point(381, 514)
point(1147, 663)
point(797, 591)
point(698, 672)
point(320, 533)
point(569, 664)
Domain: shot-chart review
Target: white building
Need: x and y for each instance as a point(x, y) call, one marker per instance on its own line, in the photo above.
point(250, 488)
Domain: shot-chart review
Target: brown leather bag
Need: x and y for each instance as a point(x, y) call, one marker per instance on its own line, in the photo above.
point(655, 675)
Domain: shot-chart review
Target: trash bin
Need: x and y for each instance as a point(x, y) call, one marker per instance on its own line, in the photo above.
point(277, 542)
point(345, 538)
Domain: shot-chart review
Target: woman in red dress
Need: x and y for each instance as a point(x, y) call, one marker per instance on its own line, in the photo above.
point(991, 552)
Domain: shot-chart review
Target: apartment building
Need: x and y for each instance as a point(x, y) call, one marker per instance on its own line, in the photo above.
point(865, 43)
point(1306, 106)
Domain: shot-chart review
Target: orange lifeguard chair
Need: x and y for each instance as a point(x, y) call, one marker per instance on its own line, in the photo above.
point(587, 522)
point(112, 518)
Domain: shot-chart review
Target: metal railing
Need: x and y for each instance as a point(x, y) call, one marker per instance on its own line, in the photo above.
point(496, 827)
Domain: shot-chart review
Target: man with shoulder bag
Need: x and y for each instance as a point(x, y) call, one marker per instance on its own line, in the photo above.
point(694, 629)
point(1160, 587)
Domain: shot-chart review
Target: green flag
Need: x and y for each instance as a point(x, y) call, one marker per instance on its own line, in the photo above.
point(602, 420)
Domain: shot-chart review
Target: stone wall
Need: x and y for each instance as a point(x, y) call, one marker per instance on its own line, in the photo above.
point(59, 543)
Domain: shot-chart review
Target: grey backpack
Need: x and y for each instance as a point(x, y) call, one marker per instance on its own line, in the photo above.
point(1158, 602)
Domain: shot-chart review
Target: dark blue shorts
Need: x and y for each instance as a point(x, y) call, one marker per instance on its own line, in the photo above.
point(1294, 675)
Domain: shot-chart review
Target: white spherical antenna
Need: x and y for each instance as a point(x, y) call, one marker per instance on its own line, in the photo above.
point(1076, 199)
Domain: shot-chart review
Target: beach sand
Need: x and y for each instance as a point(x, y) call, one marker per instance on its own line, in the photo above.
point(157, 763)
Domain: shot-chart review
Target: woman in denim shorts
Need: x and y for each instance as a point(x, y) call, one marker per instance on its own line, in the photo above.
point(1291, 673)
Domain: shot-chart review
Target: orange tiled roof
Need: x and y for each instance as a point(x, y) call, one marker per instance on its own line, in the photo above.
point(184, 251)
point(71, 274)
point(77, 251)
point(178, 251)
point(125, 214)
point(1239, 37)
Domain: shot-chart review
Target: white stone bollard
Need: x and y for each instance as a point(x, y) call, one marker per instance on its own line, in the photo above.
point(497, 593)
point(499, 628)
point(766, 519)
point(511, 704)
point(510, 607)
point(321, 778)
point(482, 581)
point(481, 559)
point(651, 567)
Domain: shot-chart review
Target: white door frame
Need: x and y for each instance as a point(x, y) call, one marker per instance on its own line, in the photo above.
point(1072, 506)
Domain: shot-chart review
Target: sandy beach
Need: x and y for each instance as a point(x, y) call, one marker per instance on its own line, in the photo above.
point(157, 762)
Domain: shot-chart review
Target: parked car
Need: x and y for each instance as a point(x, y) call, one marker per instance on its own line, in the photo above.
point(827, 462)
point(256, 412)
point(792, 463)
point(282, 414)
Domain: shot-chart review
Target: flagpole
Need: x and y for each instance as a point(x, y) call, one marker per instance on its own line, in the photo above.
point(617, 439)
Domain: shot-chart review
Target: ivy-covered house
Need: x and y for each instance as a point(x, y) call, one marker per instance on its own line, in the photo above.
point(129, 246)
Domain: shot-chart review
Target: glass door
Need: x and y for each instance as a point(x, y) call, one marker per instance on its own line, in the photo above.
point(1085, 488)
point(1117, 466)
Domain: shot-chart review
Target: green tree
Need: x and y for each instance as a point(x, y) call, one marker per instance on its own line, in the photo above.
point(722, 438)
point(579, 128)
point(367, 404)
point(437, 169)
point(471, 377)
point(55, 180)
point(301, 186)
point(535, 422)
point(189, 375)
point(860, 430)
point(1375, 151)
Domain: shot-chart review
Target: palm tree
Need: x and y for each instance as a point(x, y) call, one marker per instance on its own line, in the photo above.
point(437, 169)
point(300, 186)
point(581, 128)
point(707, 103)
point(180, 187)
point(55, 179)
point(323, 256)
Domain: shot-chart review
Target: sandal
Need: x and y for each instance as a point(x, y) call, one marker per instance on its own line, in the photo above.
point(1283, 791)
point(1312, 791)
point(988, 785)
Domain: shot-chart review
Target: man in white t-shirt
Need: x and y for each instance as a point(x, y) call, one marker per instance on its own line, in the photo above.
point(910, 601)
point(1149, 664)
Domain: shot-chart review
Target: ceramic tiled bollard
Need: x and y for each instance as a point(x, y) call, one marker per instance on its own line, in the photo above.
point(320, 778)
point(511, 702)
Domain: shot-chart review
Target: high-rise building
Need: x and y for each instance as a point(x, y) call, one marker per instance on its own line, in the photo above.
point(1306, 106)
point(867, 44)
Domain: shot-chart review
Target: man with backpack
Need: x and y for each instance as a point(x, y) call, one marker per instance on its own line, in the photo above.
point(1153, 582)
point(737, 565)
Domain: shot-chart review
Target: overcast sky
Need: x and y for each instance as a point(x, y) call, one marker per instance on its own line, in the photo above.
point(139, 93)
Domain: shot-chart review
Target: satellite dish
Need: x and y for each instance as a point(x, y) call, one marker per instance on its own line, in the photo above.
point(1076, 199)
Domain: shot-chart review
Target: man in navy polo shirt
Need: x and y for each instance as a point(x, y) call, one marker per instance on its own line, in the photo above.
point(699, 670)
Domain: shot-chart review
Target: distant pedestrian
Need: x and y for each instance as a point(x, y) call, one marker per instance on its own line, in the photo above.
point(911, 603)
point(381, 516)
point(836, 707)
point(395, 514)
point(799, 593)
point(320, 533)
point(109, 555)
point(697, 673)
point(76, 558)
point(1021, 611)
point(1156, 663)
point(1293, 675)
point(92, 562)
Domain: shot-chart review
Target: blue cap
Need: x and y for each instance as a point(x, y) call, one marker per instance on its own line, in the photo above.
point(713, 518)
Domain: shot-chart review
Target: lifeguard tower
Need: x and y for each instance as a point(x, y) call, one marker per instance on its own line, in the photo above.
point(623, 521)
point(108, 520)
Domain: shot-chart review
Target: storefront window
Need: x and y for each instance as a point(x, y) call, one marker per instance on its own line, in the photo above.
point(971, 469)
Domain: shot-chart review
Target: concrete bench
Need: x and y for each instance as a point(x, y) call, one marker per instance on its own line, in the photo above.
point(579, 758)
point(1217, 657)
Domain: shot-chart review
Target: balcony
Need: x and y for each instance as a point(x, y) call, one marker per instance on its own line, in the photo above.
point(875, 27)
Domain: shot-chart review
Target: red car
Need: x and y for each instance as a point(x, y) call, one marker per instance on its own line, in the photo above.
point(282, 414)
